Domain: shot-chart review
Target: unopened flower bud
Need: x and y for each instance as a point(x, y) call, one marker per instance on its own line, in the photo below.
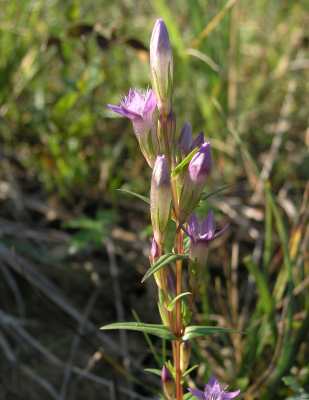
point(161, 63)
point(160, 198)
point(200, 165)
point(186, 143)
point(168, 384)
point(193, 184)
point(185, 353)
point(198, 141)
point(154, 251)
point(185, 139)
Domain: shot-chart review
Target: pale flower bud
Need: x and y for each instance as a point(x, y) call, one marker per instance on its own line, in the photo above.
point(198, 170)
point(160, 198)
point(161, 64)
point(185, 353)
point(168, 384)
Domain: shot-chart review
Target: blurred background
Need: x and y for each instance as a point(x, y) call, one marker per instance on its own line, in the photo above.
point(73, 248)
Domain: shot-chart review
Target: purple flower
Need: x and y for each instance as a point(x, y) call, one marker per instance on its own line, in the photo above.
point(194, 180)
point(139, 107)
point(201, 233)
point(186, 142)
point(214, 391)
point(168, 383)
point(200, 165)
point(161, 63)
point(185, 138)
point(166, 375)
point(198, 141)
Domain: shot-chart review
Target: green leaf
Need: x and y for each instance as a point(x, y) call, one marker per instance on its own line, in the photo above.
point(184, 162)
point(188, 371)
point(153, 371)
point(265, 299)
point(188, 396)
point(268, 237)
point(148, 340)
point(153, 329)
point(139, 196)
point(285, 276)
point(171, 305)
point(195, 331)
point(219, 190)
point(162, 262)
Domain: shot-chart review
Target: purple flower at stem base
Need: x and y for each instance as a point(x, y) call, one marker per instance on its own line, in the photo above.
point(214, 391)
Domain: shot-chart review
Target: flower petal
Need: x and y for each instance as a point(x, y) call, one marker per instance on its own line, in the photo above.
point(208, 227)
point(197, 393)
point(230, 395)
point(213, 380)
point(123, 111)
point(150, 104)
point(193, 227)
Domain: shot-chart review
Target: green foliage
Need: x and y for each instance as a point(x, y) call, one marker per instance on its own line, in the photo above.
point(157, 330)
point(90, 232)
point(163, 261)
point(299, 392)
point(192, 332)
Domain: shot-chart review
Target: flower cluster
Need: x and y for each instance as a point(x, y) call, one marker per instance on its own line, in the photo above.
point(181, 165)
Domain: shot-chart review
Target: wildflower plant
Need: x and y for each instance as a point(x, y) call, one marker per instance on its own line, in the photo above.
point(180, 167)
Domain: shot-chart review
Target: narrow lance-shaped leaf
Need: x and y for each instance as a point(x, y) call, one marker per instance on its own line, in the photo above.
point(195, 331)
point(188, 371)
point(139, 196)
point(153, 329)
point(215, 192)
point(266, 300)
point(162, 262)
point(171, 305)
point(153, 371)
point(180, 167)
